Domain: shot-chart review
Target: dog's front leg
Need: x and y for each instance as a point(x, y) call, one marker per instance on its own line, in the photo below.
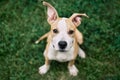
point(72, 68)
point(43, 69)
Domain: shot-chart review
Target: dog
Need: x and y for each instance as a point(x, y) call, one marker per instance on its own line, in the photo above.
point(62, 40)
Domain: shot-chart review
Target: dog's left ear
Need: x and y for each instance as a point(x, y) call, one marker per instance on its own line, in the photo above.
point(51, 12)
point(76, 18)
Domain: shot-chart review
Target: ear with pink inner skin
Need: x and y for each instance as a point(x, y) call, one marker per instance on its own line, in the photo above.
point(76, 18)
point(51, 12)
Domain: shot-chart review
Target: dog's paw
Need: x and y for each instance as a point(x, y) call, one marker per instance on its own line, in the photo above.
point(73, 70)
point(81, 53)
point(43, 69)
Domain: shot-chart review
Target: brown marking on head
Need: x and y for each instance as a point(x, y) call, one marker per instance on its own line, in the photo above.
point(71, 27)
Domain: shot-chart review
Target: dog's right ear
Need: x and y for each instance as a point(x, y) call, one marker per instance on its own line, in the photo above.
point(51, 12)
point(76, 18)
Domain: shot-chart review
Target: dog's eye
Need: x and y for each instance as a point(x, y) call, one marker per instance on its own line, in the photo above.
point(70, 32)
point(55, 30)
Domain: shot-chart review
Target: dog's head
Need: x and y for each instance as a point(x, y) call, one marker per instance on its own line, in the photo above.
point(63, 30)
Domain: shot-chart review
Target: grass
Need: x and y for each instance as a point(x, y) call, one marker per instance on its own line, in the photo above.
point(23, 21)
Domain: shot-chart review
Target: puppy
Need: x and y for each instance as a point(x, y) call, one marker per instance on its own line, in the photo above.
point(62, 40)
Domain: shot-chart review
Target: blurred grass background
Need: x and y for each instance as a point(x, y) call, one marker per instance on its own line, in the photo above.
point(23, 21)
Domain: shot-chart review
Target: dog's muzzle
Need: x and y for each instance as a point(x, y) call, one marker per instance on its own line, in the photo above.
point(62, 45)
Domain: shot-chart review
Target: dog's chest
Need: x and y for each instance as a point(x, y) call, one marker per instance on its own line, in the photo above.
point(61, 56)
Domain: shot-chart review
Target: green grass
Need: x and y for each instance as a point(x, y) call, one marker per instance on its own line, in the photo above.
point(23, 21)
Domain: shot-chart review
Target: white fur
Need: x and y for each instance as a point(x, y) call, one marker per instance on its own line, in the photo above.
point(59, 56)
point(73, 70)
point(81, 53)
point(43, 69)
point(62, 25)
point(36, 42)
point(62, 35)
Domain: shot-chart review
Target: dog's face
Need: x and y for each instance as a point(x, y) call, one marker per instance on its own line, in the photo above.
point(63, 30)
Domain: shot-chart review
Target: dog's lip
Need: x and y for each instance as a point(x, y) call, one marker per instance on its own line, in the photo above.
point(62, 50)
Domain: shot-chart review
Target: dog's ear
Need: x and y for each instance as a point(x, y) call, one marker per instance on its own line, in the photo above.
point(76, 18)
point(51, 12)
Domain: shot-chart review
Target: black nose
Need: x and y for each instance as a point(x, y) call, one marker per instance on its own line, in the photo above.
point(62, 44)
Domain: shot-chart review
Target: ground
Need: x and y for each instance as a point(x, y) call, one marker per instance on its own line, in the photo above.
point(22, 22)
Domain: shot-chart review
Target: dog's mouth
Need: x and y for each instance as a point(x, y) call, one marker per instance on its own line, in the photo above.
point(62, 50)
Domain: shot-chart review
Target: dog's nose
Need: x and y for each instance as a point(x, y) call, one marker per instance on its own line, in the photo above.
point(62, 44)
